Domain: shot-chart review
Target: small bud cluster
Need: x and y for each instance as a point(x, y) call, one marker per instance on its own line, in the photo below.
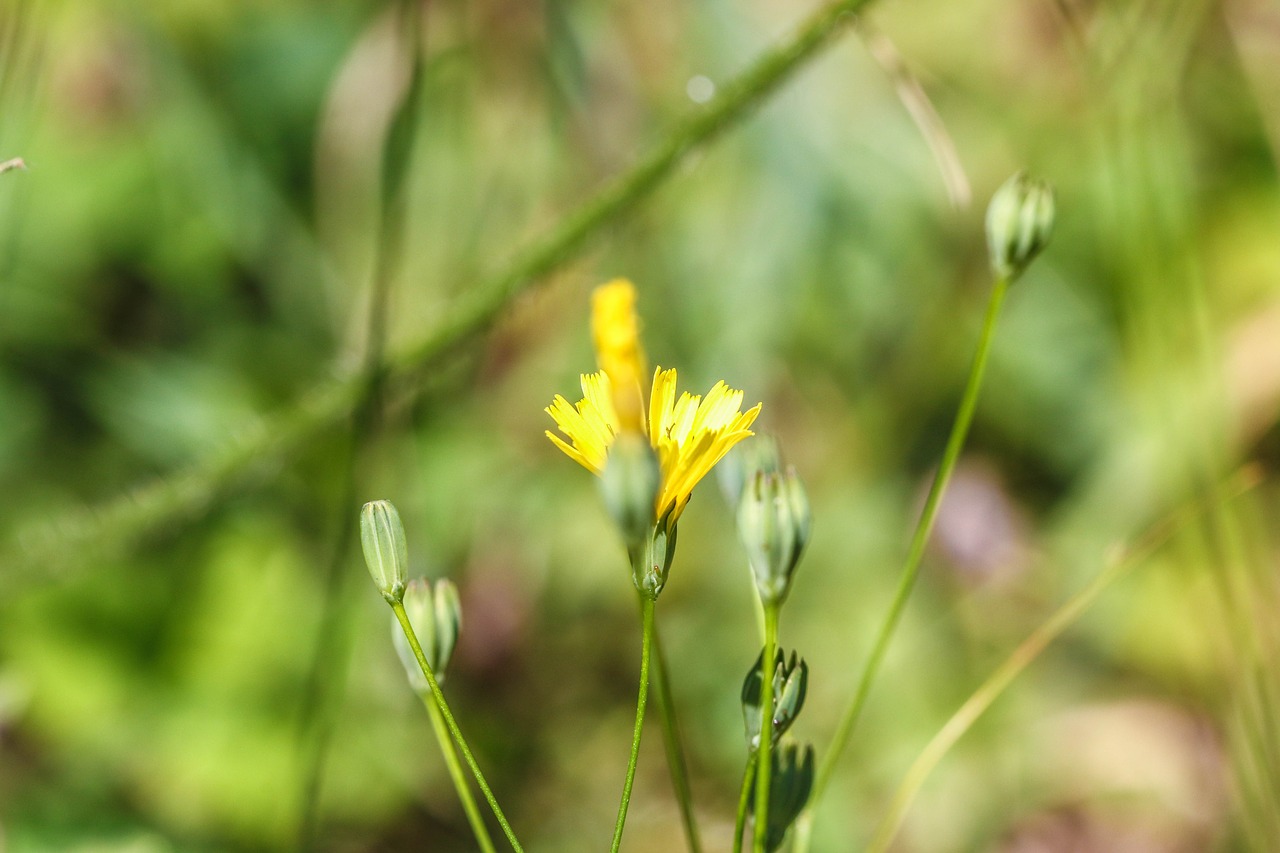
point(790, 683)
point(791, 764)
point(434, 613)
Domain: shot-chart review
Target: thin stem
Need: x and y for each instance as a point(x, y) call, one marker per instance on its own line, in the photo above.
point(764, 763)
point(671, 739)
point(452, 724)
point(1031, 648)
point(646, 644)
point(455, 773)
point(911, 565)
point(43, 546)
point(744, 799)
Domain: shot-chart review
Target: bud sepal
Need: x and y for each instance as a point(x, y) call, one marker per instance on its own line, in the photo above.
point(790, 683)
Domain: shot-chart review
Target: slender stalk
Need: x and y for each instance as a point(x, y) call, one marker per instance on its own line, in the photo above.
point(744, 799)
point(1031, 648)
point(764, 763)
point(452, 724)
point(42, 546)
point(646, 645)
point(455, 773)
point(911, 565)
point(671, 739)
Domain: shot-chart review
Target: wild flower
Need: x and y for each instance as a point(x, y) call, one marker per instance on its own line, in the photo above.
point(688, 434)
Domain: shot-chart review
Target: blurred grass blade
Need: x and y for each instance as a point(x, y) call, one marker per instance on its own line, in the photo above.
point(1035, 644)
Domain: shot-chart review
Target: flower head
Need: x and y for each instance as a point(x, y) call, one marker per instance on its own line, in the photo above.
point(689, 434)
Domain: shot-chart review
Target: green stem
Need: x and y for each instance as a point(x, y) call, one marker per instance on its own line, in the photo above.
point(45, 545)
point(676, 763)
point(646, 644)
point(455, 773)
point(452, 724)
point(911, 566)
point(744, 799)
point(764, 763)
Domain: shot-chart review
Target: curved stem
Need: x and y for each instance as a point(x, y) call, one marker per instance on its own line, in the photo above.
point(744, 799)
point(671, 740)
point(764, 762)
point(646, 643)
point(455, 773)
point(910, 566)
point(452, 724)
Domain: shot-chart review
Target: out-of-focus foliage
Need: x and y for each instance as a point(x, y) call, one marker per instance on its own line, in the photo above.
point(191, 248)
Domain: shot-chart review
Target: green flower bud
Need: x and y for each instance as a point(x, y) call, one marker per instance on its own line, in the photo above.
point(1019, 224)
point(790, 784)
point(757, 453)
point(385, 551)
point(790, 684)
point(630, 484)
point(774, 522)
point(436, 617)
point(448, 608)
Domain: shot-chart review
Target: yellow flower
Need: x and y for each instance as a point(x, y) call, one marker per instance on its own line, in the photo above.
point(689, 435)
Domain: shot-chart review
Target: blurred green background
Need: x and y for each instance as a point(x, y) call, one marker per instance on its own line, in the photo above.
point(191, 249)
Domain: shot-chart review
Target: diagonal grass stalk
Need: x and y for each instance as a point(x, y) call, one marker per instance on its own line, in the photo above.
point(452, 725)
point(911, 565)
point(41, 546)
point(1032, 647)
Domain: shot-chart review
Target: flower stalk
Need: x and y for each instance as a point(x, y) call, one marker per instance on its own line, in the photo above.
point(764, 753)
point(1019, 224)
point(646, 645)
point(451, 724)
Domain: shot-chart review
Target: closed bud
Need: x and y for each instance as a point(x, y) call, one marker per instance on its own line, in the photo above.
point(630, 483)
point(448, 607)
point(774, 522)
point(1019, 224)
point(436, 617)
point(757, 453)
point(790, 683)
point(385, 551)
